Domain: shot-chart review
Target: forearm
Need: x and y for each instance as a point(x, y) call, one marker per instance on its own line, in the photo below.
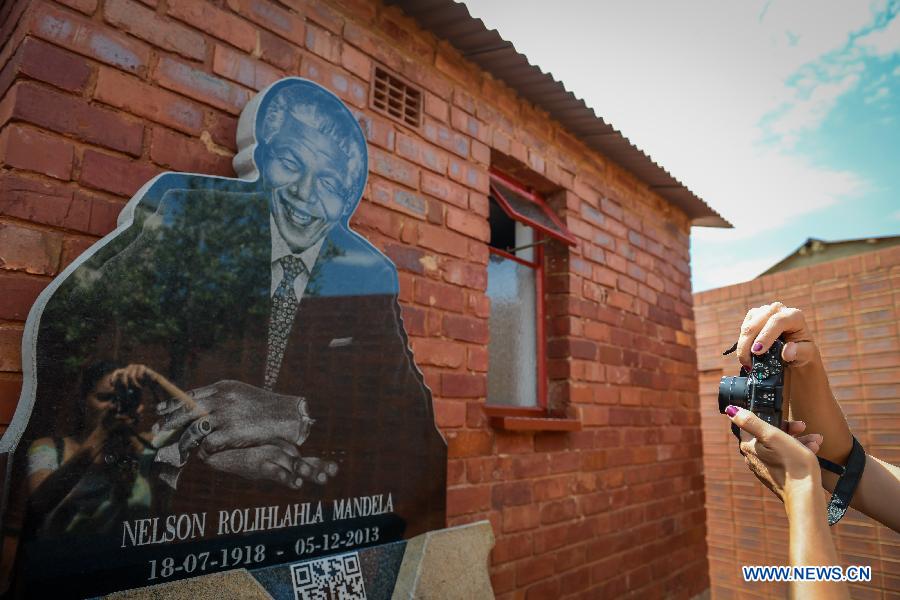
point(812, 402)
point(878, 492)
point(810, 541)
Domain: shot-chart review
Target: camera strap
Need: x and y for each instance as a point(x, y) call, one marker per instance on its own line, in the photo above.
point(849, 477)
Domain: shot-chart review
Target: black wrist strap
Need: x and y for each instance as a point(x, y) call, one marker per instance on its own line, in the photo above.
point(846, 484)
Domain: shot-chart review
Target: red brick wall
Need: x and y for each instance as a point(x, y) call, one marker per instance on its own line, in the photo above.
point(852, 307)
point(98, 95)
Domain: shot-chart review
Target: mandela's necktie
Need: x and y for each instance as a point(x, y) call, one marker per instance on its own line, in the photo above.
point(284, 307)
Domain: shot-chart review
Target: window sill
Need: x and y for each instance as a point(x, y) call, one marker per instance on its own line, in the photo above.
point(509, 418)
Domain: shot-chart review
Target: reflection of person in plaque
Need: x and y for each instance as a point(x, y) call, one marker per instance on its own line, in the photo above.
point(302, 382)
point(93, 479)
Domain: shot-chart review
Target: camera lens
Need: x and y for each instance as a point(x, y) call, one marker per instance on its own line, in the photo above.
point(733, 391)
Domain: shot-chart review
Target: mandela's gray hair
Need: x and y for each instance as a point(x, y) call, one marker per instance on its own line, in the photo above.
point(316, 108)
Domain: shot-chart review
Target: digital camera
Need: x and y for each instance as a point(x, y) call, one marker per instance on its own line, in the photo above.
point(760, 389)
point(127, 400)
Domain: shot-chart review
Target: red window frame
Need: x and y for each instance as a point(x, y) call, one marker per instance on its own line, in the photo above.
point(540, 233)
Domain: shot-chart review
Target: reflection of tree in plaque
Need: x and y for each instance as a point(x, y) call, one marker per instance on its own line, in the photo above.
point(228, 370)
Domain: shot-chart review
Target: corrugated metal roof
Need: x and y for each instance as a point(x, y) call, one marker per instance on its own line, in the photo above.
point(451, 21)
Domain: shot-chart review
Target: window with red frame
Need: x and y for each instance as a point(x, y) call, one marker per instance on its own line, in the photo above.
point(521, 223)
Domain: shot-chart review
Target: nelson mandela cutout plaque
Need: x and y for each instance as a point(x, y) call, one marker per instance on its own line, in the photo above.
point(224, 381)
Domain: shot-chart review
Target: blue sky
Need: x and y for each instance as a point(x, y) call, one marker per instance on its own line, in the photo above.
point(783, 115)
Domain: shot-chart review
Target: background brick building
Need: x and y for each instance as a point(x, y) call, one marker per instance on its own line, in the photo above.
point(851, 305)
point(100, 95)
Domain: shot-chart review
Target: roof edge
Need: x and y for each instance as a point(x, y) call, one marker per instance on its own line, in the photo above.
point(478, 44)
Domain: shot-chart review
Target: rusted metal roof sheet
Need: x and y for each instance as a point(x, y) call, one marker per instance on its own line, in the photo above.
point(452, 22)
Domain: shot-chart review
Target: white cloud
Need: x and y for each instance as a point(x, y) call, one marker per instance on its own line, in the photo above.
point(882, 42)
point(716, 91)
point(724, 272)
point(880, 94)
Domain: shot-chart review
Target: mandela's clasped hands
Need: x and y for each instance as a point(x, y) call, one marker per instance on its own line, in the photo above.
point(237, 428)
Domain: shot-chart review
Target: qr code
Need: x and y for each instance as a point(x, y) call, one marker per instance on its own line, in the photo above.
point(330, 578)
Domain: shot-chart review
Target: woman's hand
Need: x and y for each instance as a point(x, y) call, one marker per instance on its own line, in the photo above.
point(781, 462)
point(806, 391)
point(764, 324)
point(135, 375)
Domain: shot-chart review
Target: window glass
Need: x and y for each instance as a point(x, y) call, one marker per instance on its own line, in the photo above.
point(512, 377)
point(524, 208)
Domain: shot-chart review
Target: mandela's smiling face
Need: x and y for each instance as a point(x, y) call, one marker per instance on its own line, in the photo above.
point(307, 173)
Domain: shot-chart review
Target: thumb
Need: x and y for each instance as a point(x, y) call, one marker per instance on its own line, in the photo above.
point(749, 422)
point(798, 354)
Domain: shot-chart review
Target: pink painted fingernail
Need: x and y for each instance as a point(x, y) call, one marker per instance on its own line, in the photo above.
point(757, 347)
point(731, 411)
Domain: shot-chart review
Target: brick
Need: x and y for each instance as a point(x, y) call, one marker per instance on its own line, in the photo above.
point(558, 510)
point(443, 241)
point(190, 155)
point(421, 153)
point(19, 293)
point(207, 17)
point(463, 385)
point(439, 353)
point(545, 590)
point(144, 23)
point(449, 413)
point(42, 202)
point(322, 42)
point(356, 62)
point(407, 258)
point(520, 518)
point(513, 493)
point(10, 348)
point(33, 150)
point(73, 116)
point(378, 131)
point(467, 329)
point(469, 224)
point(393, 168)
point(407, 202)
point(468, 443)
point(73, 247)
point(10, 389)
point(89, 38)
point(436, 107)
point(86, 6)
point(477, 359)
point(465, 173)
point(469, 125)
point(511, 547)
point(469, 499)
point(444, 137)
point(135, 96)
point(45, 62)
point(30, 250)
point(347, 87)
point(278, 52)
point(277, 20)
point(243, 69)
point(114, 174)
point(199, 85)
point(465, 274)
point(104, 212)
point(446, 297)
point(441, 188)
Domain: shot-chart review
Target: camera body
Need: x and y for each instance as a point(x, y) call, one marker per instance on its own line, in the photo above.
point(760, 389)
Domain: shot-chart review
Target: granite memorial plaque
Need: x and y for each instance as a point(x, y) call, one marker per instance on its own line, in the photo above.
point(224, 381)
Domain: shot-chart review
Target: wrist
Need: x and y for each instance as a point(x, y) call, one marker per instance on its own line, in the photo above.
point(802, 495)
